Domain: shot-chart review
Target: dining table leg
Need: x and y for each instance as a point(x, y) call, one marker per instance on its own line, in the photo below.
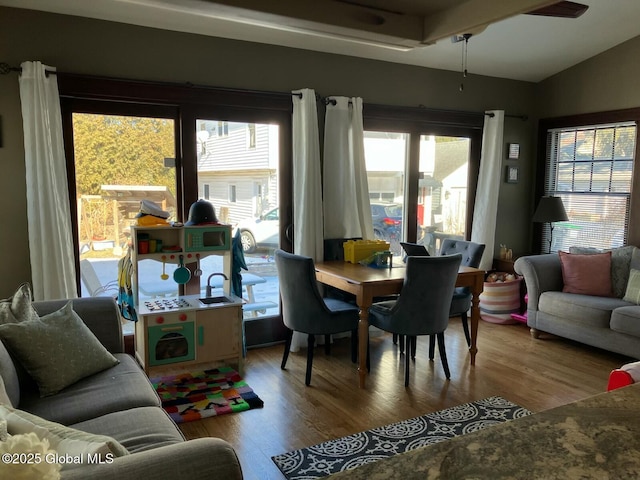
point(476, 290)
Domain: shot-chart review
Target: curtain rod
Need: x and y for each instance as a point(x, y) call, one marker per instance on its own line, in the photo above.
point(521, 117)
point(319, 98)
point(5, 69)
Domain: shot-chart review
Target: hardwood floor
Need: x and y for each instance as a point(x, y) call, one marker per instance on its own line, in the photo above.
point(536, 374)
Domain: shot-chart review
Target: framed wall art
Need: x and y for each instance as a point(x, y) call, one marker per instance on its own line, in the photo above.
point(512, 175)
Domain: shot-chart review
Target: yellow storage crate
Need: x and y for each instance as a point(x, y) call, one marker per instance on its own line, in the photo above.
point(356, 250)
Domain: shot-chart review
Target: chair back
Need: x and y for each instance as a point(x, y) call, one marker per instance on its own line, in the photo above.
point(302, 306)
point(92, 282)
point(471, 251)
point(423, 305)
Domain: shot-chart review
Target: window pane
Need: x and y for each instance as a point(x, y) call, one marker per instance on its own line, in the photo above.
point(442, 189)
point(238, 164)
point(385, 155)
point(591, 169)
point(119, 161)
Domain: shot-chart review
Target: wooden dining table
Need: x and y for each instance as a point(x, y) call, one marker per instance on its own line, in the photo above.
point(366, 283)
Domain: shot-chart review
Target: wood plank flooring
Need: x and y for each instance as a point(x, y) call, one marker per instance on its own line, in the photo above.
point(536, 374)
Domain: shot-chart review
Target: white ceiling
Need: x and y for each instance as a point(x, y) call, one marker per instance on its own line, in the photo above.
point(522, 47)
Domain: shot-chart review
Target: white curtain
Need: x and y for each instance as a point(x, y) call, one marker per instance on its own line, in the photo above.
point(347, 211)
point(53, 273)
point(307, 181)
point(486, 205)
point(307, 185)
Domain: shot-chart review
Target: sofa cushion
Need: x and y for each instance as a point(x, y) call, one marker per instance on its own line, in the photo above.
point(621, 259)
point(57, 350)
point(137, 429)
point(586, 274)
point(64, 440)
point(626, 320)
point(121, 387)
point(587, 309)
point(17, 308)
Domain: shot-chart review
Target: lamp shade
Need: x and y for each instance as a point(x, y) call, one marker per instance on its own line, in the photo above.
point(550, 209)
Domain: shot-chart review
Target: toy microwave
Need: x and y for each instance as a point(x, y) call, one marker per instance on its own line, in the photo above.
point(207, 238)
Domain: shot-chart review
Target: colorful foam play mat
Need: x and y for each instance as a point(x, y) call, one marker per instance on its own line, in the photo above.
point(354, 450)
point(193, 396)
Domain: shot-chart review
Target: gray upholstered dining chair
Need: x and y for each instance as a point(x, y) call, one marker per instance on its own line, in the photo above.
point(304, 310)
point(461, 302)
point(422, 308)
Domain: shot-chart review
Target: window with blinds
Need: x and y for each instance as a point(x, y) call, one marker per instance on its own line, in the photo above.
point(591, 169)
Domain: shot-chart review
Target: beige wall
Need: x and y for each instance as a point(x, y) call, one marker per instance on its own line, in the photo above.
point(608, 81)
point(85, 46)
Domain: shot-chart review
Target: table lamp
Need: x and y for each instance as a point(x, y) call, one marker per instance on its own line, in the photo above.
point(550, 209)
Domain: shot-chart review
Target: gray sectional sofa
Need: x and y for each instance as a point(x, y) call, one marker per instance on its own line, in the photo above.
point(610, 323)
point(121, 403)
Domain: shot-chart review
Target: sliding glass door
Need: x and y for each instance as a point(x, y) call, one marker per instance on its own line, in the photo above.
point(238, 171)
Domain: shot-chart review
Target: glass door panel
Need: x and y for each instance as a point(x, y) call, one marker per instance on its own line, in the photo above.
point(442, 189)
point(237, 169)
point(386, 159)
point(119, 161)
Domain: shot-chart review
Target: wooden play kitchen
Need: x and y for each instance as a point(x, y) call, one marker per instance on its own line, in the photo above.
point(188, 330)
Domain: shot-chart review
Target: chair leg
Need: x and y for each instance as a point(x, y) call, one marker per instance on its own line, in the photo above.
point(310, 344)
point(432, 346)
point(414, 344)
point(465, 327)
point(368, 355)
point(401, 343)
point(354, 346)
point(395, 338)
point(287, 347)
point(443, 354)
point(327, 344)
point(406, 359)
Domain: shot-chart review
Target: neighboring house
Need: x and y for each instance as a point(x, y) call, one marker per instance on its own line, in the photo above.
point(237, 167)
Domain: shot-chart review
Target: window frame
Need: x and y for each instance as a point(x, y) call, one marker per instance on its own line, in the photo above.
point(183, 104)
point(421, 121)
point(581, 120)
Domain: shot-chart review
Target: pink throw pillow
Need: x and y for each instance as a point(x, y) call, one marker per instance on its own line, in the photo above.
point(587, 274)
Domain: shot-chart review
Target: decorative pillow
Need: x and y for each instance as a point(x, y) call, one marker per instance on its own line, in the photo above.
point(586, 274)
point(64, 440)
point(57, 350)
point(621, 259)
point(18, 307)
point(633, 287)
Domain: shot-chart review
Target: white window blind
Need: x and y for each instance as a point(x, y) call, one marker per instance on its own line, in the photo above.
point(591, 169)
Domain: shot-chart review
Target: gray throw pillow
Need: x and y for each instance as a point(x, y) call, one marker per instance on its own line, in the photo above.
point(620, 265)
point(633, 287)
point(57, 350)
point(18, 307)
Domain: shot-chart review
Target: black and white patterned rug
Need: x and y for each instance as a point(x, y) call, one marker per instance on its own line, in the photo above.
point(354, 450)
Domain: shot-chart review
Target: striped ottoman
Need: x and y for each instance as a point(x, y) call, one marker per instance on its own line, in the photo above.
point(499, 300)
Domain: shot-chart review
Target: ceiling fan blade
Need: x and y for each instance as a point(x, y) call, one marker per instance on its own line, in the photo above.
point(561, 9)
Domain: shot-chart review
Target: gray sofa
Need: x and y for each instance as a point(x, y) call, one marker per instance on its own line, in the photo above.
point(609, 323)
point(119, 402)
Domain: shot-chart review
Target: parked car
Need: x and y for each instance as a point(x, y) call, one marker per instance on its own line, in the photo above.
point(260, 232)
point(387, 220)
point(264, 231)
